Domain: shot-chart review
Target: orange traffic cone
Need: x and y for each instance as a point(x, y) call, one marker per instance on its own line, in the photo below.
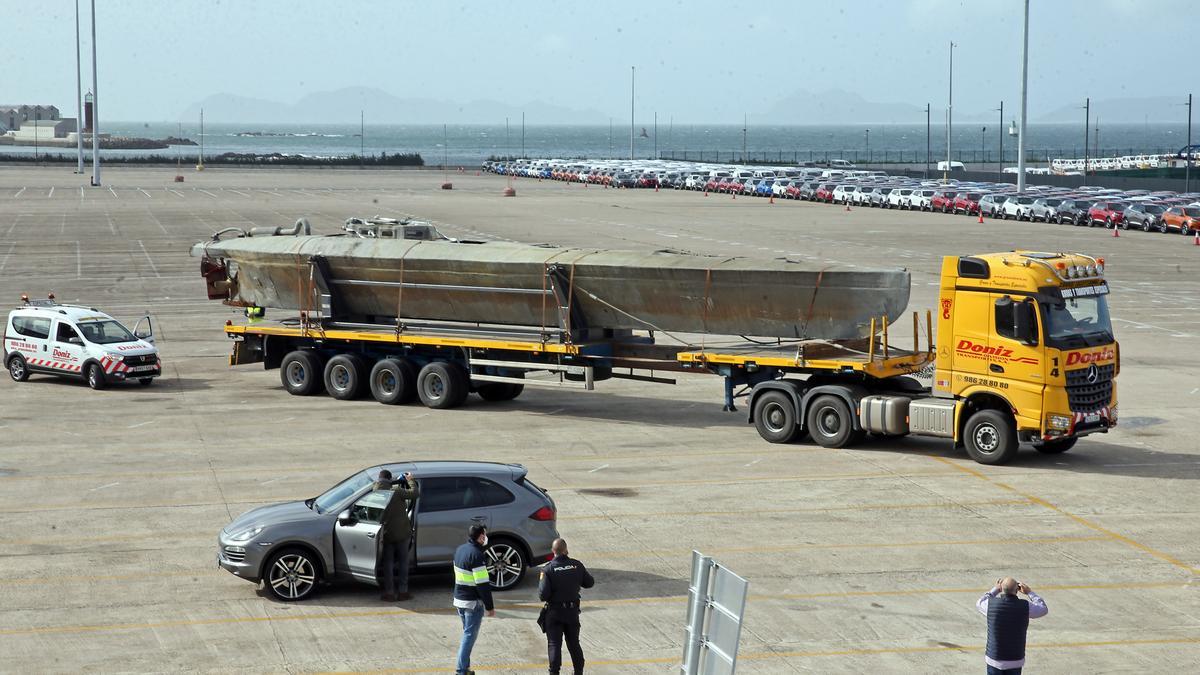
point(981, 216)
point(1196, 241)
point(706, 194)
point(656, 187)
point(1116, 230)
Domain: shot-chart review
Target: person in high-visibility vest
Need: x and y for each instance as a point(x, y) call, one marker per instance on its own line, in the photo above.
point(255, 314)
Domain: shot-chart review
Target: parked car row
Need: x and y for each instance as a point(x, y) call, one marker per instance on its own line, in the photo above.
point(1164, 211)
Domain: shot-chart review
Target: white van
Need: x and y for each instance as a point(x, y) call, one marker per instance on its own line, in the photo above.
point(950, 166)
point(42, 336)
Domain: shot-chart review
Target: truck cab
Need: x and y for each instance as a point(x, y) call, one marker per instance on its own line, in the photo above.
point(42, 336)
point(1025, 337)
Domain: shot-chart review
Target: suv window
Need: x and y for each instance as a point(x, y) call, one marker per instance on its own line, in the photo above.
point(451, 493)
point(31, 326)
point(65, 332)
point(369, 509)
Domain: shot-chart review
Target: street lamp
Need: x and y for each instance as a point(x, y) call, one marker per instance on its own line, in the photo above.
point(868, 135)
point(982, 143)
point(37, 117)
point(1024, 104)
point(949, 112)
point(1001, 127)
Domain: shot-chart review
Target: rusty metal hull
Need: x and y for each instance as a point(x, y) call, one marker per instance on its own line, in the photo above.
point(506, 283)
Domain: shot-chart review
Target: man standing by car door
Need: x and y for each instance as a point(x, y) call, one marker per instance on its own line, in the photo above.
point(395, 536)
point(558, 587)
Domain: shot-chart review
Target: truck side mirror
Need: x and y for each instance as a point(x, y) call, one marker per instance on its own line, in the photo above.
point(1025, 323)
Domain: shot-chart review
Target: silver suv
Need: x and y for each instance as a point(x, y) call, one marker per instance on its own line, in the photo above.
point(294, 547)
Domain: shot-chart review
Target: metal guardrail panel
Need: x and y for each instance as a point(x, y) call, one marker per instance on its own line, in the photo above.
point(716, 607)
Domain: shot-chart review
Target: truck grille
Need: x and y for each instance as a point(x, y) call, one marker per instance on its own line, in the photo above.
point(144, 360)
point(1085, 396)
point(233, 554)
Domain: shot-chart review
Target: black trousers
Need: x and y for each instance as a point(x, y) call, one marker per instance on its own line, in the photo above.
point(560, 623)
point(393, 566)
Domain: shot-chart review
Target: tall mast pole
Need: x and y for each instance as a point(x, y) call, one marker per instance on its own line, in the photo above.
point(79, 123)
point(1021, 141)
point(632, 80)
point(949, 113)
point(95, 108)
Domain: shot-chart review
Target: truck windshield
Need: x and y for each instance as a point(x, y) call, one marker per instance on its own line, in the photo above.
point(1078, 322)
point(106, 332)
point(341, 492)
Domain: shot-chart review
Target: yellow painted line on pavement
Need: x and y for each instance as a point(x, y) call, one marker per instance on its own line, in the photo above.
point(769, 655)
point(1078, 519)
point(396, 612)
point(812, 509)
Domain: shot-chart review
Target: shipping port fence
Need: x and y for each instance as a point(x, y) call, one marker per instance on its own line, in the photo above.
point(906, 157)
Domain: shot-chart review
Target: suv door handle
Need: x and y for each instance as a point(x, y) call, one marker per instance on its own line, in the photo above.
point(995, 368)
point(479, 519)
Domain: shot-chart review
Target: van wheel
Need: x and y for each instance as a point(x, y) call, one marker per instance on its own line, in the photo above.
point(18, 370)
point(345, 376)
point(95, 377)
point(442, 385)
point(394, 382)
point(300, 372)
point(506, 563)
point(990, 437)
point(775, 417)
point(831, 424)
point(1055, 447)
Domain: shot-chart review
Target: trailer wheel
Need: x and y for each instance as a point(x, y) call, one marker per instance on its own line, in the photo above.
point(394, 382)
point(345, 375)
point(990, 437)
point(500, 391)
point(1055, 447)
point(442, 385)
point(831, 423)
point(775, 417)
point(300, 372)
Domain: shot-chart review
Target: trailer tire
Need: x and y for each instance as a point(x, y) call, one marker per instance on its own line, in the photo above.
point(775, 417)
point(831, 423)
point(1055, 447)
point(393, 382)
point(300, 372)
point(345, 376)
point(442, 385)
point(990, 437)
point(500, 391)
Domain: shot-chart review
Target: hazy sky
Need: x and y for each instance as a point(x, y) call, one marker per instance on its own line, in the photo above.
point(697, 61)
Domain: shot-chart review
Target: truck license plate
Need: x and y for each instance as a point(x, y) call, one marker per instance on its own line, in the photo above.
point(1091, 417)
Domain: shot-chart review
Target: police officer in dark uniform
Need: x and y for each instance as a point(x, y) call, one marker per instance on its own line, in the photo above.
point(559, 587)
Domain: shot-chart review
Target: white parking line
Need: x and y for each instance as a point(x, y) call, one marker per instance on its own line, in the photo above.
point(51, 193)
point(7, 255)
point(18, 193)
point(238, 193)
point(145, 193)
point(207, 193)
point(104, 486)
point(14, 225)
point(149, 259)
point(140, 424)
point(602, 466)
point(78, 260)
point(273, 480)
point(114, 192)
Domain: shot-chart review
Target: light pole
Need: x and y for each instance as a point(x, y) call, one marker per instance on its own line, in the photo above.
point(1087, 122)
point(949, 113)
point(1187, 168)
point(982, 143)
point(1000, 170)
point(362, 137)
point(928, 128)
point(37, 118)
point(1024, 104)
point(78, 95)
point(632, 82)
point(867, 133)
point(655, 134)
point(745, 123)
point(522, 134)
point(95, 108)
point(610, 153)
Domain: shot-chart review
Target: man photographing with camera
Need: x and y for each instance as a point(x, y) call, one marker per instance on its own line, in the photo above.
point(1008, 621)
point(395, 536)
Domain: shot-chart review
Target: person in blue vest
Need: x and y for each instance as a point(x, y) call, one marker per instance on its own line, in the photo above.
point(1007, 621)
point(472, 592)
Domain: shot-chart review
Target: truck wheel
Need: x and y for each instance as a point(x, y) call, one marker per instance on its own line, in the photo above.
point(442, 385)
point(394, 382)
point(775, 417)
point(95, 377)
point(345, 375)
point(831, 424)
point(18, 370)
point(300, 372)
point(990, 437)
point(1055, 447)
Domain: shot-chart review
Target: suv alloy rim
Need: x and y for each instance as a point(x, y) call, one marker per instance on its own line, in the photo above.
point(503, 564)
point(292, 576)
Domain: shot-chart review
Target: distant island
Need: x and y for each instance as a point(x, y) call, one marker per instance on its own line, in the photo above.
point(106, 142)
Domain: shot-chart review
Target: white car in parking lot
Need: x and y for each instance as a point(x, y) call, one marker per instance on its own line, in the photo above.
point(920, 200)
point(843, 194)
point(898, 198)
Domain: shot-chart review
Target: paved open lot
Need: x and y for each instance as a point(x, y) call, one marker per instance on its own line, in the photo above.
point(863, 560)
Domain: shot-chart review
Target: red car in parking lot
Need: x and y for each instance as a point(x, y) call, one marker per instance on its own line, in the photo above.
point(825, 193)
point(1108, 214)
point(943, 201)
point(967, 203)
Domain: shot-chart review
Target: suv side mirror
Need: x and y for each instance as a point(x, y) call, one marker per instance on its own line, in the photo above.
point(346, 519)
point(75, 340)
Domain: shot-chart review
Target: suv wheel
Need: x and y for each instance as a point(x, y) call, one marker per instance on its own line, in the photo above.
point(990, 437)
point(291, 575)
point(95, 377)
point(1146, 225)
point(506, 563)
point(18, 370)
point(1162, 227)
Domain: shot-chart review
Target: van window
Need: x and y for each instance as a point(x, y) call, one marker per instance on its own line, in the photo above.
point(65, 332)
point(33, 327)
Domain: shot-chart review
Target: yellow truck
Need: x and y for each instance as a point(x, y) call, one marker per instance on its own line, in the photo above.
point(1024, 353)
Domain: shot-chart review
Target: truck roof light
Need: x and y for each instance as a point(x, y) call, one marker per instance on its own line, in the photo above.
point(1061, 265)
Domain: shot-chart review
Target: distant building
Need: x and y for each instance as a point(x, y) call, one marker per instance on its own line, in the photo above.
point(13, 116)
point(34, 130)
